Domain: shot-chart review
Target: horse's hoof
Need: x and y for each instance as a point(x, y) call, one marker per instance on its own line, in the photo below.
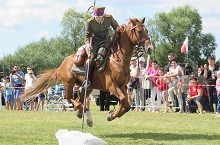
point(109, 117)
point(89, 122)
point(79, 115)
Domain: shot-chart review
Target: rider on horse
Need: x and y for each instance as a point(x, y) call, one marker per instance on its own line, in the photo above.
point(97, 37)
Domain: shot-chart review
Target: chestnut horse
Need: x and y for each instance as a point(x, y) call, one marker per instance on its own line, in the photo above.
point(114, 78)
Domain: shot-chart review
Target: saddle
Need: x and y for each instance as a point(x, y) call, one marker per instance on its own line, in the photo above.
point(81, 58)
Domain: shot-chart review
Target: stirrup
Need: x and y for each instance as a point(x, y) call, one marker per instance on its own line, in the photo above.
point(84, 85)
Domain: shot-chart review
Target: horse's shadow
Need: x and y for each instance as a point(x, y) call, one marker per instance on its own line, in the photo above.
point(163, 136)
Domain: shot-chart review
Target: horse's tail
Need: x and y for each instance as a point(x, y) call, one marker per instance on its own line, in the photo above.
point(45, 80)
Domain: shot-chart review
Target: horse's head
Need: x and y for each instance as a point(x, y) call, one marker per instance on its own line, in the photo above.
point(138, 34)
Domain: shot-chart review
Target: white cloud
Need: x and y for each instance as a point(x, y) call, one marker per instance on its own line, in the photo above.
point(17, 12)
point(42, 34)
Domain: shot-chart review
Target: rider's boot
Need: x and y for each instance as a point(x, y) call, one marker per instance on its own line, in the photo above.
point(87, 83)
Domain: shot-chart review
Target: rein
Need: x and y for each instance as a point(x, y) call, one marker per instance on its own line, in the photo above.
point(133, 30)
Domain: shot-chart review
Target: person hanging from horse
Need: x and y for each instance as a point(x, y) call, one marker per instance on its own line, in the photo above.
point(98, 38)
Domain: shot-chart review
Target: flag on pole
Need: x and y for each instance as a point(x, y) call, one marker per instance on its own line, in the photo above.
point(184, 48)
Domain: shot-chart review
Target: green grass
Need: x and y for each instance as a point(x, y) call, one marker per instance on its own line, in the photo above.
point(134, 128)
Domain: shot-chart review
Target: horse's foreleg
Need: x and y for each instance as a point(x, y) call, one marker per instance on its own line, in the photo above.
point(68, 93)
point(124, 105)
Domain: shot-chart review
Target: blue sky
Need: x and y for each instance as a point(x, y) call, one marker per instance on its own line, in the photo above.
point(26, 21)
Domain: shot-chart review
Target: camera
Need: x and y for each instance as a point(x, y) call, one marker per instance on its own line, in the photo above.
point(13, 71)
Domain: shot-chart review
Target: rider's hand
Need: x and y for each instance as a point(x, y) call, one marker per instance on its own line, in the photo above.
point(89, 47)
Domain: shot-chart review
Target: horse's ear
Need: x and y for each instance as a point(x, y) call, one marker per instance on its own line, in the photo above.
point(142, 20)
point(132, 21)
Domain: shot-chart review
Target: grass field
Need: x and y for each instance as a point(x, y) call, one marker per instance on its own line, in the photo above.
point(134, 128)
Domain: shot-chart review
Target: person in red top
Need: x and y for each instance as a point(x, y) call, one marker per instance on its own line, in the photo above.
point(197, 94)
point(162, 85)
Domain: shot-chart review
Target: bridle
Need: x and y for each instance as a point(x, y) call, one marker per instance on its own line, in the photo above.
point(140, 42)
point(140, 45)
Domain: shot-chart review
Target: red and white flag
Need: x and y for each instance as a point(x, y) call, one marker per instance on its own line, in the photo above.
point(184, 48)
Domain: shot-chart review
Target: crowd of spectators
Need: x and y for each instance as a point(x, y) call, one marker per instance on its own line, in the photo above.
point(175, 86)
point(13, 85)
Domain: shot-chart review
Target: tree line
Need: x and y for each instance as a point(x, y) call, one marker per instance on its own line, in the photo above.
point(167, 31)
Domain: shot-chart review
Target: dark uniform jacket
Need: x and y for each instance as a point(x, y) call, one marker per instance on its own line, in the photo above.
point(99, 30)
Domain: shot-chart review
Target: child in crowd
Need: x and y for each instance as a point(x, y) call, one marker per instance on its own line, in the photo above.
point(41, 100)
point(9, 98)
point(218, 94)
point(162, 85)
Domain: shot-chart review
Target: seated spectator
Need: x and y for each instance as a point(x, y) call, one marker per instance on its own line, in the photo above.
point(197, 95)
point(175, 86)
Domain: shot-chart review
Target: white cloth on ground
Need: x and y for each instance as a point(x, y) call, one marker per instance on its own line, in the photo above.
point(66, 137)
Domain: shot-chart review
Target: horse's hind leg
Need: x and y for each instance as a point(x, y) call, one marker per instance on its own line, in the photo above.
point(124, 105)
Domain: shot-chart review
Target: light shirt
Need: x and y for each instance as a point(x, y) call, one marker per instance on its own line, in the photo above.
point(133, 70)
point(8, 89)
point(178, 70)
point(29, 80)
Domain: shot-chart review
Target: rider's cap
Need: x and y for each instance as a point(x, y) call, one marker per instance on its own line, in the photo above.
point(98, 11)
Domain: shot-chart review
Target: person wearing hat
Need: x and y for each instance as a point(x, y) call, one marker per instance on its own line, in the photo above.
point(29, 80)
point(97, 36)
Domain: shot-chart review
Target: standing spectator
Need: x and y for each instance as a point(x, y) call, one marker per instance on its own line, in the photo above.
point(170, 57)
point(210, 75)
point(29, 79)
point(175, 74)
point(49, 93)
point(17, 78)
point(162, 85)
point(143, 91)
point(218, 94)
point(201, 73)
point(134, 84)
point(41, 100)
point(151, 75)
point(1, 91)
point(104, 99)
point(9, 98)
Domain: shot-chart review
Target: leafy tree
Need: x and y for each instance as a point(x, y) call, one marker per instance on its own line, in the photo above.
point(73, 29)
point(169, 29)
